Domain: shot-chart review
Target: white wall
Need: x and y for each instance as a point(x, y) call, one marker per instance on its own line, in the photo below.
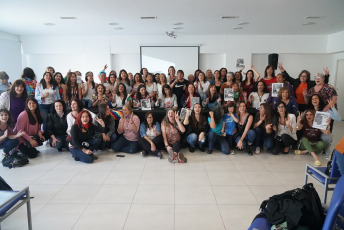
point(92, 52)
point(10, 56)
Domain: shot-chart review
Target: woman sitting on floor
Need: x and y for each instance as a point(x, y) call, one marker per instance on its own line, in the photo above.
point(109, 136)
point(56, 130)
point(172, 128)
point(128, 126)
point(151, 139)
point(84, 140)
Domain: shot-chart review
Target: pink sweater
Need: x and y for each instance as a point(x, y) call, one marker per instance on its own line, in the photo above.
point(24, 125)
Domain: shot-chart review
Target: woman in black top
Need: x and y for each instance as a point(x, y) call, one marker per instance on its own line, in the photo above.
point(83, 134)
point(196, 129)
point(109, 136)
point(56, 130)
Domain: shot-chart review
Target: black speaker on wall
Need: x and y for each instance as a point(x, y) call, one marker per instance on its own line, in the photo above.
point(273, 60)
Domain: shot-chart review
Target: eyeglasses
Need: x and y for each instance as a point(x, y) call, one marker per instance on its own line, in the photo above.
point(280, 107)
point(318, 78)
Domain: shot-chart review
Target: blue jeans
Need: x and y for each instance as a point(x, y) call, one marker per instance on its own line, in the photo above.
point(192, 139)
point(220, 142)
point(123, 145)
point(45, 110)
point(8, 144)
point(86, 158)
point(263, 138)
point(250, 136)
point(63, 143)
point(87, 103)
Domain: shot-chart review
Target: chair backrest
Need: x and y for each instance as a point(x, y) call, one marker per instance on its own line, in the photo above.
point(335, 205)
point(335, 170)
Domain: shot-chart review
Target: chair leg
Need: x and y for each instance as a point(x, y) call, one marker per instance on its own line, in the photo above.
point(325, 192)
point(28, 206)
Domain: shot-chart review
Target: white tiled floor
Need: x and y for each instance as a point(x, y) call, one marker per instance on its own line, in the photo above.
point(209, 192)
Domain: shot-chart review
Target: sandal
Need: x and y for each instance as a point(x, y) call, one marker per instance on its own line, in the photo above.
point(317, 163)
point(297, 152)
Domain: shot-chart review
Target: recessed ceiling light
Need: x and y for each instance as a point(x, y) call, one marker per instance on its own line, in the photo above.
point(243, 23)
point(68, 17)
point(308, 23)
point(149, 17)
point(178, 23)
point(229, 17)
point(314, 17)
point(178, 28)
point(118, 28)
point(113, 23)
point(237, 28)
point(49, 24)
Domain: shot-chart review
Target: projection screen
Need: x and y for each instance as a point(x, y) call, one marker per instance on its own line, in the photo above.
point(157, 59)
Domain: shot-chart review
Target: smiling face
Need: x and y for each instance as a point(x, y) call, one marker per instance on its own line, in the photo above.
point(230, 109)
point(126, 111)
point(235, 88)
point(303, 77)
point(237, 76)
point(191, 89)
point(150, 119)
point(285, 94)
point(137, 78)
point(58, 78)
point(58, 107)
point(197, 109)
point(260, 86)
point(319, 79)
point(102, 77)
point(121, 88)
point(281, 108)
point(47, 77)
point(223, 72)
point(315, 100)
point(167, 91)
point(73, 78)
point(143, 91)
point(90, 77)
point(242, 108)
point(124, 75)
point(100, 89)
point(85, 118)
point(249, 75)
point(279, 78)
point(212, 89)
point(74, 106)
point(3, 117)
point(269, 71)
point(149, 78)
point(32, 105)
point(112, 79)
point(171, 115)
point(201, 77)
point(216, 74)
point(19, 89)
point(309, 116)
point(171, 71)
point(180, 76)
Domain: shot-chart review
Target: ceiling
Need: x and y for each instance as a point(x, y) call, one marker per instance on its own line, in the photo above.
point(199, 17)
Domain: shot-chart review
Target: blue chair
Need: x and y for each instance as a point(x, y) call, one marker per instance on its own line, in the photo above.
point(336, 204)
point(10, 201)
point(328, 182)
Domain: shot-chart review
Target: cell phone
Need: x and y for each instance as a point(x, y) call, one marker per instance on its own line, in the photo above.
point(118, 155)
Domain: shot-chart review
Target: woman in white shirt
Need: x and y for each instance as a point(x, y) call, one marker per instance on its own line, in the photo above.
point(151, 86)
point(46, 94)
point(162, 82)
point(202, 86)
point(168, 100)
point(88, 89)
point(259, 95)
point(120, 98)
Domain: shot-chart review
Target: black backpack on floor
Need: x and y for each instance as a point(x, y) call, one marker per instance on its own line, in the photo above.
point(297, 207)
point(15, 159)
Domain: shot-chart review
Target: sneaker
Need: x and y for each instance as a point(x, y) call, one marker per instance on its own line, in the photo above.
point(231, 152)
point(317, 163)
point(143, 153)
point(172, 157)
point(76, 158)
point(257, 150)
point(202, 149)
point(160, 155)
point(210, 151)
point(191, 149)
point(59, 149)
point(249, 150)
point(95, 157)
point(181, 158)
point(297, 152)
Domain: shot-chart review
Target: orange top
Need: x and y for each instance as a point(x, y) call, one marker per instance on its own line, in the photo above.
point(299, 93)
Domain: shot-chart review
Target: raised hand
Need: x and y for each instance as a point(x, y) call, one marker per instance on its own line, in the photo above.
point(211, 113)
point(299, 118)
point(287, 121)
point(330, 103)
point(326, 71)
point(105, 66)
point(280, 67)
point(100, 121)
point(176, 116)
point(251, 98)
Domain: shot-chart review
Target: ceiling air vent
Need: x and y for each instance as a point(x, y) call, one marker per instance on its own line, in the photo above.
point(68, 17)
point(229, 17)
point(149, 17)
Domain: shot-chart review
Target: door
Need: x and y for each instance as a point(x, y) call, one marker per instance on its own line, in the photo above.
point(338, 86)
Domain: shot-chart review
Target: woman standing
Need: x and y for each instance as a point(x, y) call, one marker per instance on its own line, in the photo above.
point(123, 78)
point(311, 142)
point(162, 82)
point(217, 81)
point(88, 89)
point(151, 139)
point(227, 84)
point(46, 94)
point(14, 100)
point(202, 86)
point(197, 127)
point(57, 126)
point(151, 86)
point(83, 141)
point(73, 88)
point(249, 82)
point(30, 121)
point(171, 74)
point(129, 125)
point(269, 77)
point(110, 86)
point(137, 82)
point(285, 129)
point(172, 128)
point(60, 85)
point(245, 136)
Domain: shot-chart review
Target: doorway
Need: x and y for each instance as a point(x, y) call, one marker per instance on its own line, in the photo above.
point(338, 86)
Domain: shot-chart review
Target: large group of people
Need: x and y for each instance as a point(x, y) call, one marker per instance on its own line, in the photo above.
point(224, 110)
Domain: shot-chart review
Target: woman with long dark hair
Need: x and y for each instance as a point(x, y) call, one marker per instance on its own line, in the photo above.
point(142, 94)
point(259, 95)
point(197, 128)
point(247, 85)
point(84, 137)
point(151, 86)
point(213, 97)
point(285, 129)
point(151, 140)
point(73, 88)
point(120, 98)
point(61, 86)
point(168, 100)
point(262, 125)
point(202, 85)
point(30, 121)
point(14, 100)
point(57, 126)
point(188, 95)
point(46, 94)
point(172, 128)
point(269, 77)
point(216, 137)
point(217, 81)
point(88, 89)
point(100, 96)
point(123, 78)
point(109, 136)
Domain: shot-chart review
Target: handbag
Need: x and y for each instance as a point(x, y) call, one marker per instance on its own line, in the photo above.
point(35, 138)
